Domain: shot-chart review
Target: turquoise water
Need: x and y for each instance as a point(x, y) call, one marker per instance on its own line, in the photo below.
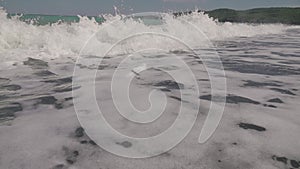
point(39, 19)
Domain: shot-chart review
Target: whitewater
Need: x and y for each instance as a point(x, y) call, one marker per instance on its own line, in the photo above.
point(61, 39)
point(46, 90)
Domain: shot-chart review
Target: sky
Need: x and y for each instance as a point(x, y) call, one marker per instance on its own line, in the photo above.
point(97, 7)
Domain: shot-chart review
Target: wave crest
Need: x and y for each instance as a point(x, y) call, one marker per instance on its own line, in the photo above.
point(18, 39)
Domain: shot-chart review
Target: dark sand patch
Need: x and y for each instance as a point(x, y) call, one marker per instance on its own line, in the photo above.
point(288, 162)
point(230, 99)
point(36, 63)
point(7, 112)
point(79, 132)
point(203, 80)
point(283, 91)
point(165, 90)
point(104, 66)
point(125, 144)
point(285, 54)
point(82, 137)
point(261, 68)
point(176, 98)
point(275, 100)
point(58, 166)
point(252, 56)
point(68, 98)
point(179, 52)
point(60, 81)
point(44, 73)
point(295, 164)
point(4, 81)
point(12, 87)
point(280, 159)
point(169, 84)
point(247, 126)
point(293, 62)
point(49, 100)
point(83, 142)
point(63, 88)
point(4, 85)
point(71, 155)
point(92, 143)
point(239, 99)
point(270, 105)
point(250, 83)
point(3, 97)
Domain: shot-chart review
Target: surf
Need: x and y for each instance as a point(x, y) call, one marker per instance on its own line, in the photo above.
point(20, 40)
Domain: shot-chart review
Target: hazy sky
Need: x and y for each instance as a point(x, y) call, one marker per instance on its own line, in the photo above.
point(95, 7)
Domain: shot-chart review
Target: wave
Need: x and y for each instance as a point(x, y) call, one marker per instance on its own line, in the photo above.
point(19, 40)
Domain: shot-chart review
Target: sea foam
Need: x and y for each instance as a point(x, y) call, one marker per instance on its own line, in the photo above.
point(19, 40)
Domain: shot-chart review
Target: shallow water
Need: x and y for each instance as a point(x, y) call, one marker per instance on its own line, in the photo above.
point(259, 128)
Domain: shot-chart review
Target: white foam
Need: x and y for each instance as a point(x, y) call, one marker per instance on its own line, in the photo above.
point(19, 40)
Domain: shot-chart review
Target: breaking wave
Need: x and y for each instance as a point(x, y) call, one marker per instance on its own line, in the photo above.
point(19, 40)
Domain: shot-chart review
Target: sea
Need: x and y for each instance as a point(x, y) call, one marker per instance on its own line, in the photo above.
point(68, 82)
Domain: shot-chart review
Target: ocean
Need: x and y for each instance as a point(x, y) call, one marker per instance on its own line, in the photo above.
point(152, 76)
point(38, 19)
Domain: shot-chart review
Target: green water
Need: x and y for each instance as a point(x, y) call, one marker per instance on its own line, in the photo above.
point(259, 15)
point(38, 19)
